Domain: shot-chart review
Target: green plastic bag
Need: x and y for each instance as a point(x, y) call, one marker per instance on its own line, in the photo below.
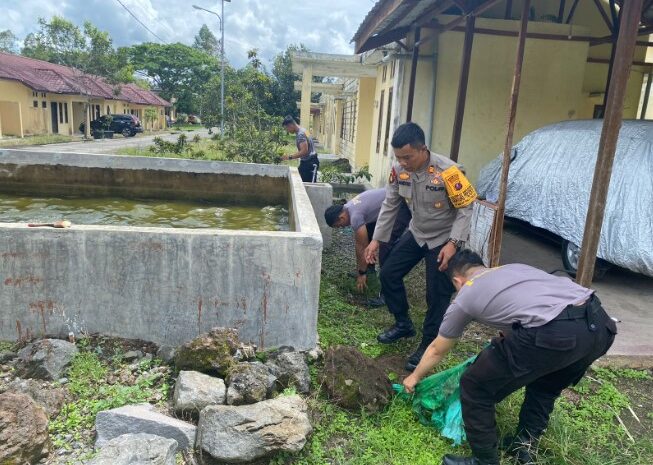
point(437, 401)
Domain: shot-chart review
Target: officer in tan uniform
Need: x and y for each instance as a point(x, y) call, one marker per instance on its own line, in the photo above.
point(439, 197)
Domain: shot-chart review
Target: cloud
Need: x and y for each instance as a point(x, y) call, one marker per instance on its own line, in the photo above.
point(267, 25)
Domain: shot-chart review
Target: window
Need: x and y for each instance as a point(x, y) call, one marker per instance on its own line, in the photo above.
point(61, 112)
point(108, 110)
point(380, 124)
point(97, 111)
point(385, 73)
point(65, 110)
point(43, 94)
point(35, 94)
point(35, 103)
point(393, 66)
point(348, 128)
point(44, 104)
point(388, 116)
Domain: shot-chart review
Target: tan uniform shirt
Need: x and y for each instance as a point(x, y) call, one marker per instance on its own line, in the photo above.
point(434, 217)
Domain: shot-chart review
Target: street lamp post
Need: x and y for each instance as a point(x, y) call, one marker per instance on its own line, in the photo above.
point(220, 17)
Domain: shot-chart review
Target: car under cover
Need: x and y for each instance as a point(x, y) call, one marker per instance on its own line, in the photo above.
point(551, 177)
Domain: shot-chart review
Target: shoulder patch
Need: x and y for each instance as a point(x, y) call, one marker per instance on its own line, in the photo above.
point(459, 189)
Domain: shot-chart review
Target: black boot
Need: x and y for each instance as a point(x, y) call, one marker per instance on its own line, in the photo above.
point(523, 447)
point(401, 329)
point(376, 301)
point(481, 457)
point(416, 356)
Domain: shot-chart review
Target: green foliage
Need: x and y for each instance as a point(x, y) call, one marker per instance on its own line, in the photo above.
point(150, 115)
point(330, 173)
point(7, 41)
point(206, 41)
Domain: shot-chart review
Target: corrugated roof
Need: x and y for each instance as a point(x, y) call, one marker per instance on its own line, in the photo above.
point(42, 76)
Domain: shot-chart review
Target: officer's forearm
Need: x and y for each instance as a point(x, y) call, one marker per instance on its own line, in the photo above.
point(361, 244)
point(461, 225)
point(434, 355)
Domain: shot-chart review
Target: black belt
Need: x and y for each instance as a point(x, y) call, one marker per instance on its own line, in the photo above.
point(572, 312)
point(586, 310)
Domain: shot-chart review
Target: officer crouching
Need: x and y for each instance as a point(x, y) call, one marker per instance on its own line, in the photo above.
point(555, 329)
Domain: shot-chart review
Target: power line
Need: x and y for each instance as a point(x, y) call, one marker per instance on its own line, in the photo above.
point(139, 21)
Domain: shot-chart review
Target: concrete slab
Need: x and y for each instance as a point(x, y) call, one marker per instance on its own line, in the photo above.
point(625, 295)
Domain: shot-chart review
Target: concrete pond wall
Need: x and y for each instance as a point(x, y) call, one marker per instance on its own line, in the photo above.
point(159, 284)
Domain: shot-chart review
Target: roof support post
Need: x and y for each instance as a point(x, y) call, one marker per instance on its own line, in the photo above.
point(647, 94)
point(413, 77)
point(510, 127)
point(572, 10)
point(630, 15)
point(462, 87)
point(561, 11)
point(305, 108)
point(20, 119)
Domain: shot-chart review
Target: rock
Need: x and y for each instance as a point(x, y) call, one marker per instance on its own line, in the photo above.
point(142, 418)
point(245, 352)
point(291, 369)
point(316, 354)
point(247, 433)
point(249, 382)
point(45, 359)
point(23, 430)
point(51, 399)
point(209, 353)
point(7, 356)
point(342, 165)
point(355, 381)
point(137, 449)
point(166, 353)
point(132, 355)
point(194, 391)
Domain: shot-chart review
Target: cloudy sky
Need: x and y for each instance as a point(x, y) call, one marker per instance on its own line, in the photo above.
point(268, 25)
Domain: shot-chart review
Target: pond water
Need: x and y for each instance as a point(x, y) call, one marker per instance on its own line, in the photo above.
point(142, 212)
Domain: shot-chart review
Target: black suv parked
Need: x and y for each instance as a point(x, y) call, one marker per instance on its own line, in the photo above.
point(127, 125)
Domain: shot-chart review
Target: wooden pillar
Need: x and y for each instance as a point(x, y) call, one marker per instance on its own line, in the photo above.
point(510, 127)
point(625, 48)
point(413, 76)
point(462, 87)
point(305, 107)
point(647, 94)
point(20, 119)
point(561, 11)
point(508, 13)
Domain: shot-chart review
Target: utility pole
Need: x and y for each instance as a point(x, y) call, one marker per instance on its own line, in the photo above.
point(221, 18)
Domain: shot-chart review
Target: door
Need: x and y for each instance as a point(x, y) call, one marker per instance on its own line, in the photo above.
point(55, 117)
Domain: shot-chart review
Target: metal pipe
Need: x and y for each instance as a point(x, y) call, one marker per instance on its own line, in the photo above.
point(647, 94)
point(507, 148)
point(413, 77)
point(462, 87)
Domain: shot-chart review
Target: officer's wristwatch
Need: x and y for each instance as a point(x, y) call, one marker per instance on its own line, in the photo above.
point(362, 272)
point(456, 242)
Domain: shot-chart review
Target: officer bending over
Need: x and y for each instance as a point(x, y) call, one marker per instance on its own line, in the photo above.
point(555, 329)
point(361, 213)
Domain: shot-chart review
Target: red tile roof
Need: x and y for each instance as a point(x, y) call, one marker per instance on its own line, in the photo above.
point(42, 76)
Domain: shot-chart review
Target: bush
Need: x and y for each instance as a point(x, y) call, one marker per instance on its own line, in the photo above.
point(181, 118)
point(331, 173)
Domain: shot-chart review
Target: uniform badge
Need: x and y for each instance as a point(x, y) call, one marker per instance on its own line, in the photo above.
point(438, 205)
point(393, 177)
point(404, 176)
point(435, 181)
point(431, 169)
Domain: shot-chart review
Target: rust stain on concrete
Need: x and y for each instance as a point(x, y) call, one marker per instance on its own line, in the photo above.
point(24, 280)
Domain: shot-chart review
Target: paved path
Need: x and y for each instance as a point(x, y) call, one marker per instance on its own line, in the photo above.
point(110, 146)
point(625, 295)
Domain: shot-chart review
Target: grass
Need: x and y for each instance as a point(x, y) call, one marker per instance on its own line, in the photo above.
point(205, 145)
point(36, 140)
point(584, 428)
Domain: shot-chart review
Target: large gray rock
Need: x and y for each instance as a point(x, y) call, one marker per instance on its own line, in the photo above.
point(247, 433)
point(50, 398)
point(194, 391)
point(23, 430)
point(137, 449)
point(45, 359)
point(142, 418)
point(249, 383)
point(291, 369)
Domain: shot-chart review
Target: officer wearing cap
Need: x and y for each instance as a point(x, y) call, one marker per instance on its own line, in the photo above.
point(439, 197)
point(554, 330)
point(361, 213)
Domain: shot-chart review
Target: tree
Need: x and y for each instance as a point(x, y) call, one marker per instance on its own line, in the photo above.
point(7, 41)
point(283, 87)
point(150, 115)
point(176, 69)
point(58, 41)
point(206, 41)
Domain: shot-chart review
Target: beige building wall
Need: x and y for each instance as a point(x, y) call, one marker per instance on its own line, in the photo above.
point(364, 119)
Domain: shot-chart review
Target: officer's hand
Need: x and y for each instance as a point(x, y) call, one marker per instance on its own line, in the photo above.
point(285, 157)
point(371, 251)
point(446, 252)
point(410, 383)
point(361, 282)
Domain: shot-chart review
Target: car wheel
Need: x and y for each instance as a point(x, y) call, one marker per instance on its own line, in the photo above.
point(571, 257)
point(126, 132)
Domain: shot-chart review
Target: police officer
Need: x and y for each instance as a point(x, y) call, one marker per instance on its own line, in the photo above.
point(308, 161)
point(554, 330)
point(361, 213)
point(436, 230)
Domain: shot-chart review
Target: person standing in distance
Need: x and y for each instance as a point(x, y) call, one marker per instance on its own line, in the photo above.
point(554, 330)
point(308, 161)
point(361, 213)
point(439, 197)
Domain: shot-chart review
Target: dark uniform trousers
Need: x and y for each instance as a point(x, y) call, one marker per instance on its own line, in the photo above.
point(401, 223)
point(406, 253)
point(308, 168)
point(545, 359)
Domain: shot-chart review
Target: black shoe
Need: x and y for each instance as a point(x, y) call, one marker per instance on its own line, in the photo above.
point(522, 448)
point(376, 301)
point(457, 460)
point(398, 331)
point(415, 358)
